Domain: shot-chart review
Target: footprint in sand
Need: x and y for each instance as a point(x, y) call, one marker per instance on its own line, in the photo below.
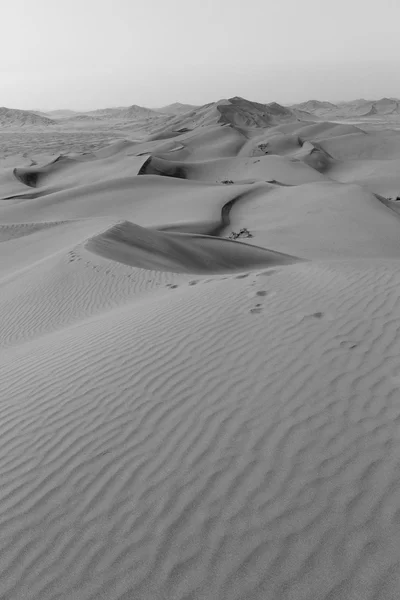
point(319, 315)
point(257, 309)
point(262, 294)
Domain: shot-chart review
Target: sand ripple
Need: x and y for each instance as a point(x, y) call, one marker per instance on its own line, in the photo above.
point(184, 465)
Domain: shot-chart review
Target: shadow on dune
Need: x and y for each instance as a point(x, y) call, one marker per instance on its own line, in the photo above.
point(159, 166)
point(180, 252)
point(33, 176)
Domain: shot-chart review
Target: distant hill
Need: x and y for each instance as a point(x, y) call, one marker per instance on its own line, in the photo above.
point(386, 106)
point(61, 114)
point(241, 112)
point(315, 107)
point(82, 117)
point(315, 104)
point(359, 108)
point(177, 108)
point(125, 113)
point(13, 117)
point(236, 111)
point(367, 108)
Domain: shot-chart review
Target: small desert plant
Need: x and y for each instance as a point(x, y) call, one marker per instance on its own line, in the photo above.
point(243, 233)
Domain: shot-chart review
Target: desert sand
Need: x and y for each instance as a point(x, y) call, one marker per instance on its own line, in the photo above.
point(187, 416)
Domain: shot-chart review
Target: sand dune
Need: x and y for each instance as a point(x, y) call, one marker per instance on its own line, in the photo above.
point(67, 172)
point(355, 146)
point(200, 359)
point(350, 222)
point(263, 168)
point(180, 252)
point(146, 200)
point(380, 176)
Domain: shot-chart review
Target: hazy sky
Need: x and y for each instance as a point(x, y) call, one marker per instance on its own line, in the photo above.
point(94, 53)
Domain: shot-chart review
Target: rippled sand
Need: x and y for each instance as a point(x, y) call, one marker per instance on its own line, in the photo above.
point(187, 416)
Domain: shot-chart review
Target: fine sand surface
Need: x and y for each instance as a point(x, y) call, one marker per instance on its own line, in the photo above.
point(187, 416)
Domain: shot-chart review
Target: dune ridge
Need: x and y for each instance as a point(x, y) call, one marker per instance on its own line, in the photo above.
point(180, 252)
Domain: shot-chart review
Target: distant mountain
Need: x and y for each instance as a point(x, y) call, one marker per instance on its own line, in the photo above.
point(13, 117)
point(315, 107)
point(315, 104)
point(236, 111)
point(356, 102)
point(41, 113)
point(241, 112)
point(353, 109)
point(125, 113)
point(365, 108)
point(83, 117)
point(175, 118)
point(386, 106)
point(61, 114)
point(177, 108)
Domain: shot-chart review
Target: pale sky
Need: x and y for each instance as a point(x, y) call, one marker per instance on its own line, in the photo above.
point(90, 54)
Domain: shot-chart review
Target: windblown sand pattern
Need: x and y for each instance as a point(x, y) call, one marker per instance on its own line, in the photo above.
point(186, 416)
